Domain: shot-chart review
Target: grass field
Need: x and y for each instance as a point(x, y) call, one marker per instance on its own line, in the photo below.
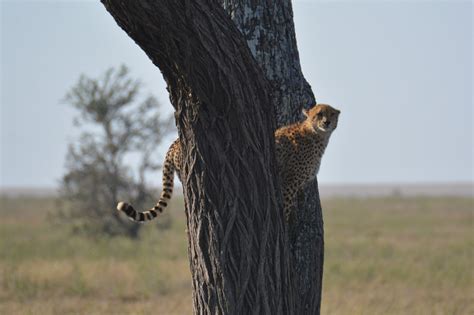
point(383, 256)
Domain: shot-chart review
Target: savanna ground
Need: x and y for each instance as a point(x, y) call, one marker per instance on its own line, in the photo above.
point(383, 256)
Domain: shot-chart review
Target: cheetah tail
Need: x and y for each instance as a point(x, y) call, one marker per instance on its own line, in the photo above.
point(148, 215)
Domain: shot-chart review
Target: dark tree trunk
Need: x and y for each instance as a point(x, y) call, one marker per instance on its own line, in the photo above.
point(225, 122)
point(238, 246)
point(269, 31)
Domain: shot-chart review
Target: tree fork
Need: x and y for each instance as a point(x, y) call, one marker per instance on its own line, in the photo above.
point(238, 247)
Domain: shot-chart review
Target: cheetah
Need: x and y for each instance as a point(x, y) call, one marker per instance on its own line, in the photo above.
point(299, 148)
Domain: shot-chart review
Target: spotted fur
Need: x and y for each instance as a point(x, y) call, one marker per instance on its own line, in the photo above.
point(299, 149)
point(172, 164)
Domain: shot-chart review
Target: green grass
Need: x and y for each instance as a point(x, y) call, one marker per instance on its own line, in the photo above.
point(383, 256)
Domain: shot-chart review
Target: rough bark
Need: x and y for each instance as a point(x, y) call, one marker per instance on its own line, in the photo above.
point(269, 31)
point(237, 240)
point(268, 28)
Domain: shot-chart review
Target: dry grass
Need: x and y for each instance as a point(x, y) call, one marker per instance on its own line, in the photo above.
point(383, 256)
point(395, 256)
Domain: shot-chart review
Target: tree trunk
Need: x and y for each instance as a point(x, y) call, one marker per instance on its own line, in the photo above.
point(238, 246)
point(268, 28)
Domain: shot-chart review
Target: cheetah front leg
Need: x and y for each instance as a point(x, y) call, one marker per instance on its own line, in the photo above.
point(289, 202)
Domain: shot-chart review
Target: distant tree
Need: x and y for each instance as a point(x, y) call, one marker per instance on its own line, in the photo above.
point(121, 126)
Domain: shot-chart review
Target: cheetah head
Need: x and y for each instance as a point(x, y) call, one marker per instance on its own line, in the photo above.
point(322, 118)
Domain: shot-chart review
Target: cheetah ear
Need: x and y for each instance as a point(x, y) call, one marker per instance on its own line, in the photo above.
point(305, 112)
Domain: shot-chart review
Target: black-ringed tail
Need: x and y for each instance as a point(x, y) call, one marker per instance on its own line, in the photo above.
point(171, 165)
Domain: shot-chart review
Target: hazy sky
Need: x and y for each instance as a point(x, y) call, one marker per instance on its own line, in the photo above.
point(400, 71)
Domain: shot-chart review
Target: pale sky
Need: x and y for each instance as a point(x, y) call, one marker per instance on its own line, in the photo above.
point(400, 72)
